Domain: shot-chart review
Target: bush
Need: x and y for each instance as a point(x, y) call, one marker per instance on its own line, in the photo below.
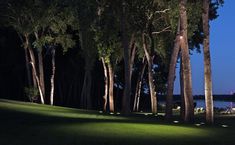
point(32, 93)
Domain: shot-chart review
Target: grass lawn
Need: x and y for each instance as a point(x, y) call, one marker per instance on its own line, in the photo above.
point(33, 124)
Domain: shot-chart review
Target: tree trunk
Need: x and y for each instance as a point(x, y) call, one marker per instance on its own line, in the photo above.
point(105, 84)
point(29, 79)
point(138, 87)
point(126, 50)
point(27, 62)
point(52, 76)
point(207, 64)
point(87, 46)
point(86, 89)
point(133, 52)
point(150, 76)
point(171, 74)
point(40, 67)
point(41, 72)
point(182, 105)
point(187, 76)
point(111, 82)
point(34, 71)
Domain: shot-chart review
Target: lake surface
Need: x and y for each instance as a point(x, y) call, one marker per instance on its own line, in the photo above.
point(218, 104)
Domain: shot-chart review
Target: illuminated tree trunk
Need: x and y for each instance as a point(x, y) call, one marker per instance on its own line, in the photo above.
point(138, 87)
point(133, 51)
point(111, 82)
point(29, 80)
point(34, 71)
point(105, 84)
point(182, 106)
point(150, 76)
point(52, 76)
point(40, 67)
point(171, 74)
point(207, 64)
point(187, 76)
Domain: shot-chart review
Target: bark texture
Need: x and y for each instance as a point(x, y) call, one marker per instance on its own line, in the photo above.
point(127, 61)
point(207, 64)
point(105, 84)
point(29, 79)
point(40, 67)
point(171, 74)
point(187, 76)
point(138, 87)
point(111, 82)
point(182, 105)
point(52, 76)
point(34, 71)
point(150, 76)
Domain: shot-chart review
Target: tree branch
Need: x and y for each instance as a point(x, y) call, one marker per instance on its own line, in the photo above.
point(167, 29)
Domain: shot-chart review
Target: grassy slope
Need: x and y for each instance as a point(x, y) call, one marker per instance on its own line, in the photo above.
point(32, 124)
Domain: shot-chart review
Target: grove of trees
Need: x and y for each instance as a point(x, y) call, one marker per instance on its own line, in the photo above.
point(114, 55)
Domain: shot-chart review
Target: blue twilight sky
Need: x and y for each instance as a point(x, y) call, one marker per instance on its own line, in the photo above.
point(222, 32)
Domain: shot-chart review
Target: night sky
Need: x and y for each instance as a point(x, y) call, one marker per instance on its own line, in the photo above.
point(222, 55)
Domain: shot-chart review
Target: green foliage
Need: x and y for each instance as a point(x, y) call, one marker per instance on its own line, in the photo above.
point(107, 33)
point(32, 93)
point(51, 24)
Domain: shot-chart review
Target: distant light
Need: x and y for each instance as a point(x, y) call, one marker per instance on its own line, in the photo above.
point(202, 123)
point(176, 121)
point(146, 114)
point(198, 124)
point(181, 37)
point(224, 126)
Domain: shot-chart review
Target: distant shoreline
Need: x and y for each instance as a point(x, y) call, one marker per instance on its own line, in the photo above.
point(219, 97)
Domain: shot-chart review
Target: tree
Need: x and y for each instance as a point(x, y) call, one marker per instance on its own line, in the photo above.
point(57, 18)
point(171, 74)
point(18, 15)
point(86, 17)
point(194, 41)
point(107, 40)
point(126, 37)
point(187, 76)
point(207, 64)
point(139, 85)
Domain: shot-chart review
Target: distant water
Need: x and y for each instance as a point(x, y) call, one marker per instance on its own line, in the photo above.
point(218, 104)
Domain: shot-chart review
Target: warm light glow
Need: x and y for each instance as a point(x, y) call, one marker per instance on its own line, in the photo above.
point(176, 121)
point(181, 37)
point(224, 126)
point(198, 124)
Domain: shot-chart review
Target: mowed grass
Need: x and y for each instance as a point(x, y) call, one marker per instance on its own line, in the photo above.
point(33, 124)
